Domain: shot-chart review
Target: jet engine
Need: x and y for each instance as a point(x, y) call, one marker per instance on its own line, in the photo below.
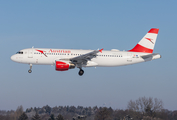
point(63, 66)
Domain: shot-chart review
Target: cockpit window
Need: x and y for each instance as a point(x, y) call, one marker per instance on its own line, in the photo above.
point(19, 52)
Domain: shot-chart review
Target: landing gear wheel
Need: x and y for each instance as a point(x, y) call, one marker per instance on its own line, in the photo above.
point(29, 71)
point(81, 72)
point(30, 68)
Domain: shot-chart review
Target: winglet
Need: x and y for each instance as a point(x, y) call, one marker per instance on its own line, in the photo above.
point(101, 50)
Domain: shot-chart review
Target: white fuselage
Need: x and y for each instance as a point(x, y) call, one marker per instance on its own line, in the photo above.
point(104, 59)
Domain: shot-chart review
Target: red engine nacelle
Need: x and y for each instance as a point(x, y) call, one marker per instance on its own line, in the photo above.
point(62, 66)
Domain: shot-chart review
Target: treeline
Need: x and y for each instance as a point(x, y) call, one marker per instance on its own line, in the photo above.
point(140, 109)
point(84, 113)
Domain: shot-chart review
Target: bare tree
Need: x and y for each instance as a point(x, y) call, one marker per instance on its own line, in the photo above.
point(148, 106)
point(15, 115)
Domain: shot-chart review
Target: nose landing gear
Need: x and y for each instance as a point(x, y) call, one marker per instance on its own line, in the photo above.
point(30, 71)
point(81, 72)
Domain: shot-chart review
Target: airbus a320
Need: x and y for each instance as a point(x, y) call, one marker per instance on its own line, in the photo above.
point(65, 59)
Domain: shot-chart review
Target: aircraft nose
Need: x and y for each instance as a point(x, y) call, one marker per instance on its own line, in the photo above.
point(12, 58)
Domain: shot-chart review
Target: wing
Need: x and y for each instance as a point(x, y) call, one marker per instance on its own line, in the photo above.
point(83, 59)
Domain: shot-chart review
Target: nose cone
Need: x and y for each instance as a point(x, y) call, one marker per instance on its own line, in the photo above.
point(17, 58)
point(13, 58)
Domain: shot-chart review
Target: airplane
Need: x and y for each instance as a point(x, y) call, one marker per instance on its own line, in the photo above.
point(65, 59)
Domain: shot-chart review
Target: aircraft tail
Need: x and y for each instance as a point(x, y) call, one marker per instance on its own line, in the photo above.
point(147, 43)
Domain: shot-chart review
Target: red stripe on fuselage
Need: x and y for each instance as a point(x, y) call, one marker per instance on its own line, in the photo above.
point(139, 48)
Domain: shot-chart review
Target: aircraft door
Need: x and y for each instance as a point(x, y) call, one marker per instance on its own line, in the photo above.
point(129, 57)
point(30, 53)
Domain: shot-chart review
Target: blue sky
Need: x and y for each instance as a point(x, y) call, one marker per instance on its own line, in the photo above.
point(87, 25)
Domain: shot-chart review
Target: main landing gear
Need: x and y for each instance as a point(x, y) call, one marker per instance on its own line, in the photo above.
point(30, 68)
point(81, 72)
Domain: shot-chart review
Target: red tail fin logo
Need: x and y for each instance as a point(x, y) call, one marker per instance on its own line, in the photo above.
point(150, 40)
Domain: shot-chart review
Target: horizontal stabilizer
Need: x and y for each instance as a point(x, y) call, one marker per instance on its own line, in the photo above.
point(151, 56)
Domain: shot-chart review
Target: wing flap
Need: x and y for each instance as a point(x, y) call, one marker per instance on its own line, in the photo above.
point(87, 56)
point(83, 59)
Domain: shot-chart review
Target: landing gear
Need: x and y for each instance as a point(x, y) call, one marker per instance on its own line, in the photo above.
point(81, 72)
point(29, 71)
point(30, 68)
